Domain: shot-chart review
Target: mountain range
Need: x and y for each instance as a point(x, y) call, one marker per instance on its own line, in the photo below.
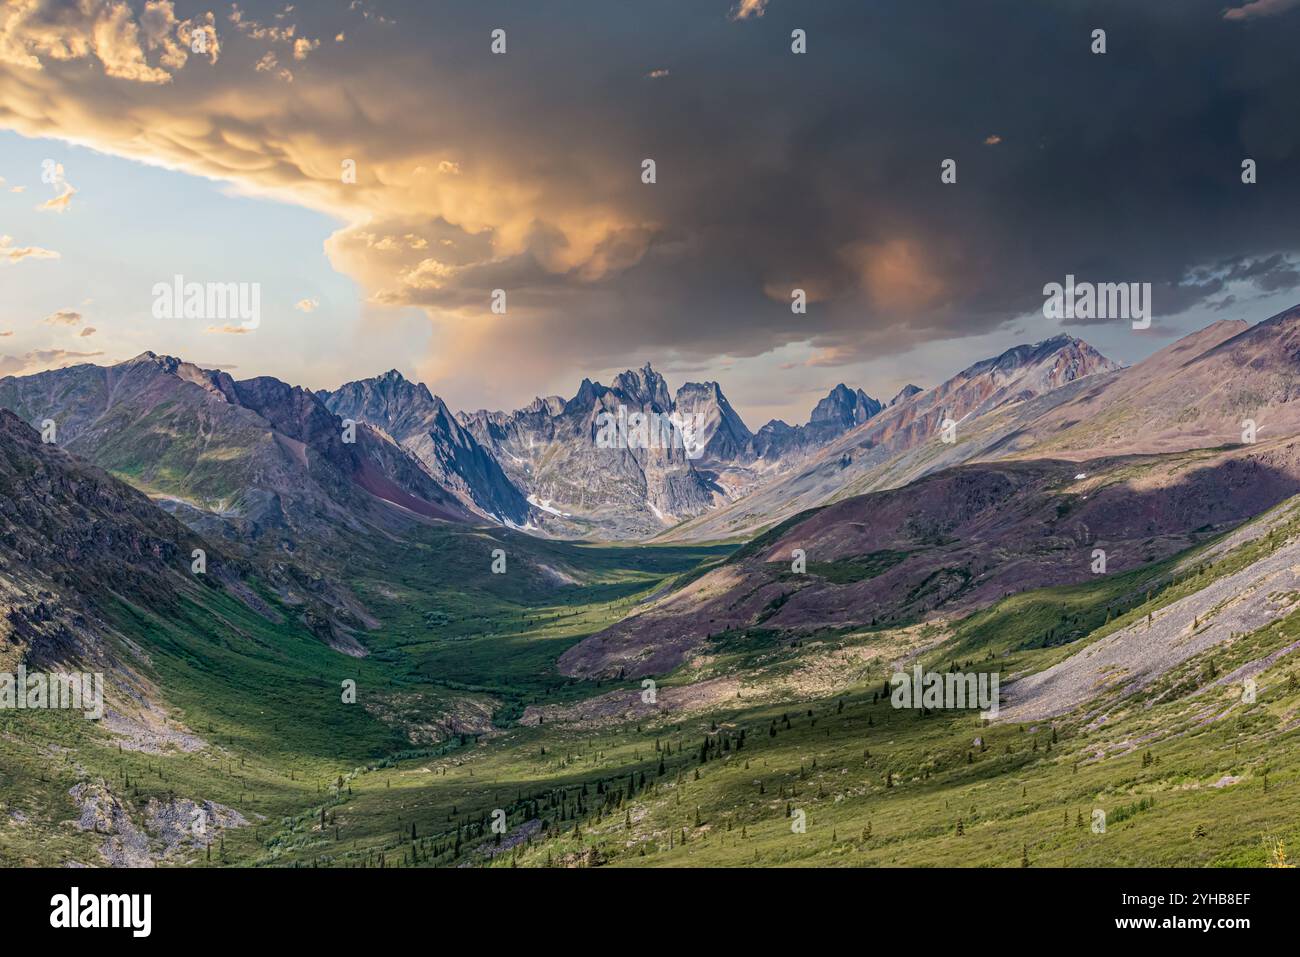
point(267, 458)
point(293, 480)
point(1056, 451)
point(1120, 543)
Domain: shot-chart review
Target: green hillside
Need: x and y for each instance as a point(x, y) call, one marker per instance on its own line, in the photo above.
point(787, 726)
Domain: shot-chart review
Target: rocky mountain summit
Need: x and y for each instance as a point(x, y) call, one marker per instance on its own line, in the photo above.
point(552, 449)
point(422, 424)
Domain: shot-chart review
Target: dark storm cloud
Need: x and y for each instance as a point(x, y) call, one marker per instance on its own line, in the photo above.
point(774, 170)
point(822, 170)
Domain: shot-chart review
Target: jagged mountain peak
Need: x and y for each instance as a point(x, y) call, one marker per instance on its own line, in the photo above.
point(644, 386)
point(421, 423)
point(396, 382)
point(552, 450)
point(166, 363)
point(551, 405)
point(844, 407)
point(585, 396)
point(905, 393)
point(1024, 355)
point(710, 388)
point(717, 427)
point(389, 395)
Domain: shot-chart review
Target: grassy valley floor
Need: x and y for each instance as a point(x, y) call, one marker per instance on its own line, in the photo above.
point(769, 749)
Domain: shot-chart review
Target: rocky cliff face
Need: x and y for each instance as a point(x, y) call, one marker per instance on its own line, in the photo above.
point(905, 393)
point(720, 434)
point(423, 425)
point(583, 467)
point(843, 409)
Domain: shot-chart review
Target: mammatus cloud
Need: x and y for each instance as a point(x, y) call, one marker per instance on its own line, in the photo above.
point(41, 359)
point(9, 253)
point(87, 332)
point(1260, 8)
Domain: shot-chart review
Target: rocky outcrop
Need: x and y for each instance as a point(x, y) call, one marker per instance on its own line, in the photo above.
point(423, 425)
point(843, 409)
point(581, 483)
point(721, 435)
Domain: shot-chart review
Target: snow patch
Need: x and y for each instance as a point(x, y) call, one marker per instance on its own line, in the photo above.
point(545, 506)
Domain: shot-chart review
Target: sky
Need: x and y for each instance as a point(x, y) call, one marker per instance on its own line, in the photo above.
point(130, 154)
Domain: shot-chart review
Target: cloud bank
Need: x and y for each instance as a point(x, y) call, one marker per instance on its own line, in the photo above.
point(458, 172)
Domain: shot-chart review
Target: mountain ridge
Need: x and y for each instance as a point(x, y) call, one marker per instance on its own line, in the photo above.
point(539, 468)
point(864, 454)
